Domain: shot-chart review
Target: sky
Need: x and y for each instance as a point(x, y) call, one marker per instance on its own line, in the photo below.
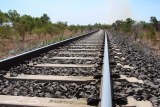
point(85, 12)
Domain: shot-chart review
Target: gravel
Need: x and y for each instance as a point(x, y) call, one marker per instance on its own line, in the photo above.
point(24, 69)
point(49, 89)
point(146, 68)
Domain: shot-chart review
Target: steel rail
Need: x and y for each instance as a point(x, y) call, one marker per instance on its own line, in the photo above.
point(9, 62)
point(106, 96)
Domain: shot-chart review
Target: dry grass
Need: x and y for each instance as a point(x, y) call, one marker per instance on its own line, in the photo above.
point(11, 47)
point(153, 45)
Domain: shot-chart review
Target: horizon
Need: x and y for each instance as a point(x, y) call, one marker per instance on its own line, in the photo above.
point(86, 12)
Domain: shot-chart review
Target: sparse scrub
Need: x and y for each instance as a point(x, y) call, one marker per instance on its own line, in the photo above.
point(143, 32)
point(22, 33)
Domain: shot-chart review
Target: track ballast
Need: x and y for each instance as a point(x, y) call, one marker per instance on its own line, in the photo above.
point(86, 71)
point(68, 75)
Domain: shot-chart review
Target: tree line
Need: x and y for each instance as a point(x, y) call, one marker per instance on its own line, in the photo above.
point(137, 29)
point(13, 24)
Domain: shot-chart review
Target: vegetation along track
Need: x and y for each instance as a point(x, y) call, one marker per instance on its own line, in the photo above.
point(65, 74)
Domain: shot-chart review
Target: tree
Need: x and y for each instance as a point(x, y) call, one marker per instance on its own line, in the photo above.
point(23, 25)
point(45, 19)
point(37, 22)
point(89, 27)
point(29, 23)
point(119, 25)
point(97, 25)
point(13, 16)
point(154, 22)
point(2, 18)
point(128, 25)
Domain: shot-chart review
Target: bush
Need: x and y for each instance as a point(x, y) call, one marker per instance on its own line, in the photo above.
point(5, 32)
point(151, 33)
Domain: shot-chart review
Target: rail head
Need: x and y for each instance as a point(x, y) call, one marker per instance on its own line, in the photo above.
point(106, 96)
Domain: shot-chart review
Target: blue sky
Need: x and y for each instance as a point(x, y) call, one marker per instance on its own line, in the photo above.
point(86, 11)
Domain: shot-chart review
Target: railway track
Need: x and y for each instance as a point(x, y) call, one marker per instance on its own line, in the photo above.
point(60, 75)
point(86, 71)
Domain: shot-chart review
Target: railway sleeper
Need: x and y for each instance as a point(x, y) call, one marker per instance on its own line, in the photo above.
point(21, 101)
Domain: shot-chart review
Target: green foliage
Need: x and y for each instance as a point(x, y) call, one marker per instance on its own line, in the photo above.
point(40, 32)
point(2, 18)
point(37, 22)
point(13, 16)
point(23, 25)
point(5, 32)
point(29, 23)
point(124, 26)
point(154, 20)
point(15, 27)
point(154, 23)
point(128, 25)
point(74, 28)
point(49, 29)
point(144, 24)
point(151, 34)
point(45, 19)
point(118, 25)
point(149, 29)
point(42, 26)
point(138, 29)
